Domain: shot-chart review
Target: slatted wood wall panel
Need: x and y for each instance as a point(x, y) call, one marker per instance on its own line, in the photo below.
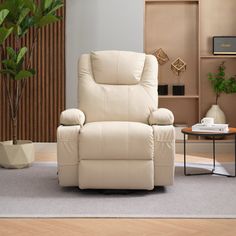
point(44, 95)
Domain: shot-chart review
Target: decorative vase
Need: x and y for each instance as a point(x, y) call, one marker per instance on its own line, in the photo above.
point(216, 113)
point(16, 156)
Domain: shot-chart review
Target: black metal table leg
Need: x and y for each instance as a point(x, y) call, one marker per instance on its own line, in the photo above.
point(234, 157)
point(232, 131)
point(185, 154)
point(214, 154)
point(185, 161)
point(234, 161)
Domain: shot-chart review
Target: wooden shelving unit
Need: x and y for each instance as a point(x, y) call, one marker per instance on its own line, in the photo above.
point(178, 97)
point(218, 56)
point(185, 29)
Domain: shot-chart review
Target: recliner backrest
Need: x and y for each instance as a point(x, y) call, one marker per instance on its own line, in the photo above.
point(117, 86)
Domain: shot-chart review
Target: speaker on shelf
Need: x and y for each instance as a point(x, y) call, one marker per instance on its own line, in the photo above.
point(178, 90)
point(224, 45)
point(163, 89)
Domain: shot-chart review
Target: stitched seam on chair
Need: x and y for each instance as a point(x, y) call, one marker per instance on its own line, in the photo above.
point(128, 140)
point(101, 140)
point(91, 70)
point(141, 81)
point(154, 144)
point(144, 65)
point(148, 94)
point(104, 102)
point(128, 102)
point(117, 69)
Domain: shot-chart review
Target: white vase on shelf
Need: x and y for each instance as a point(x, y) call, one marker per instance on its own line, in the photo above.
point(216, 113)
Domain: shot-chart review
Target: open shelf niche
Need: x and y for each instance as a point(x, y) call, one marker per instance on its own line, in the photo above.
point(185, 29)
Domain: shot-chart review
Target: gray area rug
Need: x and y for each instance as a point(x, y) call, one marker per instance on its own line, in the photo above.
point(34, 192)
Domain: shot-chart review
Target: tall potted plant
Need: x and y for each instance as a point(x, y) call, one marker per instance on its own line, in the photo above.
point(17, 17)
point(221, 84)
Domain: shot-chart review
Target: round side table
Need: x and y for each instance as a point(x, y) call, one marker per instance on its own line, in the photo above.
point(214, 135)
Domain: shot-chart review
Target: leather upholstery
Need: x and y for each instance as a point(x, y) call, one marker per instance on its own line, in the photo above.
point(116, 141)
point(116, 174)
point(72, 117)
point(126, 142)
point(164, 153)
point(108, 102)
point(161, 116)
point(118, 68)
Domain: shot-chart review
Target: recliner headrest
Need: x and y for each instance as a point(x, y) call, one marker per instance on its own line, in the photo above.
point(117, 67)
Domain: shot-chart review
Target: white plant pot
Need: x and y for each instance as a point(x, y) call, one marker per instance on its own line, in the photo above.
point(16, 156)
point(216, 113)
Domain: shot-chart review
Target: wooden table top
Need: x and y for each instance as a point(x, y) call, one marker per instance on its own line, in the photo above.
point(202, 133)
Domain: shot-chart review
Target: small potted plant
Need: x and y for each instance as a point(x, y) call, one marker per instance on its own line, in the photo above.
point(16, 18)
point(221, 84)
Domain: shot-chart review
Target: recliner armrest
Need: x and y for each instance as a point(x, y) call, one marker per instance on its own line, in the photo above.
point(161, 116)
point(72, 117)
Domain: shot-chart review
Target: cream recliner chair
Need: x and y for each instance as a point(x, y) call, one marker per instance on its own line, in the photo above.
point(118, 139)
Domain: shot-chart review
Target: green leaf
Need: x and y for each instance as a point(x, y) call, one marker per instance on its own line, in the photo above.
point(7, 71)
point(38, 12)
point(31, 5)
point(18, 30)
point(32, 71)
point(12, 6)
point(9, 64)
point(47, 4)
point(48, 19)
point(23, 14)
point(4, 33)
point(26, 24)
point(55, 8)
point(11, 52)
point(3, 15)
point(24, 74)
point(21, 54)
point(56, 5)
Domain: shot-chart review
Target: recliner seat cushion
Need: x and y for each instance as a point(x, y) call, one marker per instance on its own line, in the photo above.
point(116, 141)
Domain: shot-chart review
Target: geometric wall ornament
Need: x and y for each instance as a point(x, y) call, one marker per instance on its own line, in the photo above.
point(178, 66)
point(161, 56)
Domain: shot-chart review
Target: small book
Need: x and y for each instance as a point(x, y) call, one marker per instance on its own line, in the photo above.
point(221, 128)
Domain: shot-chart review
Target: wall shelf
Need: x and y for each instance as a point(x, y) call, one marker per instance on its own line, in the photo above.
point(185, 29)
point(179, 18)
point(178, 97)
point(217, 56)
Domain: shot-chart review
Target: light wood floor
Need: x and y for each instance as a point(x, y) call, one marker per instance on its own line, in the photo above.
point(119, 227)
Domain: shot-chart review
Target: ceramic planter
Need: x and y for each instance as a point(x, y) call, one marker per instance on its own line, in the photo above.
point(216, 113)
point(16, 156)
